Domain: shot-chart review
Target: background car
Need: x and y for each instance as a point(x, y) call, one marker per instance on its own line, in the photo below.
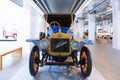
point(104, 35)
point(10, 33)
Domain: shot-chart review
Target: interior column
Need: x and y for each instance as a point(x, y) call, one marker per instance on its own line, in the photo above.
point(91, 23)
point(81, 28)
point(116, 23)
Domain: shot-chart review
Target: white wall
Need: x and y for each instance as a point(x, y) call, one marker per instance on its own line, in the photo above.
point(37, 24)
point(11, 14)
point(28, 21)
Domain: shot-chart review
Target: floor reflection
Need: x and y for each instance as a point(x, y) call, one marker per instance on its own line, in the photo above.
point(56, 73)
point(59, 73)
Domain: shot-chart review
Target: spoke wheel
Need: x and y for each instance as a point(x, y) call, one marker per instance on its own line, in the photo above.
point(34, 61)
point(86, 62)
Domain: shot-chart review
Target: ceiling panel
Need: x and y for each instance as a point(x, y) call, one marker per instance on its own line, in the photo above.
point(59, 6)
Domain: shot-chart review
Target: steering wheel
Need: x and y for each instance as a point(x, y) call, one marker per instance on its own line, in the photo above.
point(54, 23)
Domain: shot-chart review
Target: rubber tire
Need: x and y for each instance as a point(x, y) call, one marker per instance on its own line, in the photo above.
point(89, 62)
point(31, 61)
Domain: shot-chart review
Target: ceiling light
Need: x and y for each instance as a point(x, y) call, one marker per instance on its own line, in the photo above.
point(86, 3)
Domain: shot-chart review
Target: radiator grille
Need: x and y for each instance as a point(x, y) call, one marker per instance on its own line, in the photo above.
point(60, 45)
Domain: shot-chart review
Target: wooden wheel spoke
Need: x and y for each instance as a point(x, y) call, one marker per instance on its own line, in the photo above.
point(84, 67)
point(35, 66)
point(34, 61)
point(35, 54)
point(85, 64)
point(83, 55)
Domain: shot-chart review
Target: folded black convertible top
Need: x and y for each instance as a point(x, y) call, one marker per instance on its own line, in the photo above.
point(64, 19)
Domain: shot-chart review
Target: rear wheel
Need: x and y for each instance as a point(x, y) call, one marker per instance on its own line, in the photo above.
point(86, 62)
point(34, 61)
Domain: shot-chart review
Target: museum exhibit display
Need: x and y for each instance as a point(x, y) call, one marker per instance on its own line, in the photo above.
point(57, 44)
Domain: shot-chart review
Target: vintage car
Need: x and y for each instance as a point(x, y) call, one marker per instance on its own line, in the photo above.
point(104, 35)
point(57, 44)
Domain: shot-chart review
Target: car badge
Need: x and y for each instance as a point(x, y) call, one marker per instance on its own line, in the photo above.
point(61, 43)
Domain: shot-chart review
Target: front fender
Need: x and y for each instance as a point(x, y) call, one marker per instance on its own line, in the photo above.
point(35, 42)
point(82, 43)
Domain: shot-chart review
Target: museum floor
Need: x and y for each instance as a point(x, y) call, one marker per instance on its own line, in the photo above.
point(106, 64)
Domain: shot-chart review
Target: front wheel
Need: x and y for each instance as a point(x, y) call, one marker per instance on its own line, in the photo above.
point(86, 62)
point(34, 61)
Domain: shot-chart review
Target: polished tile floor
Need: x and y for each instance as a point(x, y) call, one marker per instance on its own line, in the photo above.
point(106, 60)
point(56, 73)
point(106, 64)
